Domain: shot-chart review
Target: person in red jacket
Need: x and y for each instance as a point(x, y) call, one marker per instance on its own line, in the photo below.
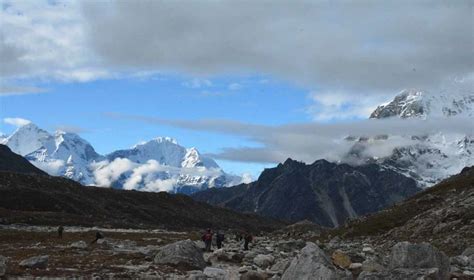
point(207, 238)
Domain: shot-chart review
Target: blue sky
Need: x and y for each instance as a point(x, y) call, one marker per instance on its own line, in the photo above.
point(73, 64)
point(82, 107)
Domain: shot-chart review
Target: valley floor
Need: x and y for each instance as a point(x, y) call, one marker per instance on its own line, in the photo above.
point(294, 252)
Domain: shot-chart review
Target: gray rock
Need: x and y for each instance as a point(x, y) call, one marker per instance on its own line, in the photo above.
point(280, 266)
point(461, 261)
point(371, 266)
point(290, 245)
point(184, 254)
point(215, 273)
point(78, 245)
point(263, 261)
point(3, 265)
point(311, 263)
point(419, 256)
point(468, 252)
point(35, 262)
point(401, 274)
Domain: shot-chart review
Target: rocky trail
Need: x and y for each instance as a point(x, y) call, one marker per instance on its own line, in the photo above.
point(285, 254)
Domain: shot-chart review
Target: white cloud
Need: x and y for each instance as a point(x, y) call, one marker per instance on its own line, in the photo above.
point(359, 46)
point(46, 39)
point(52, 167)
point(166, 185)
point(149, 176)
point(247, 178)
point(234, 86)
point(198, 83)
point(106, 172)
point(16, 121)
point(310, 141)
point(340, 105)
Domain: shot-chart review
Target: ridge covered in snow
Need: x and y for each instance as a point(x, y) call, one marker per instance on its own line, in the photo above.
point(426, 158)
point(160, 164)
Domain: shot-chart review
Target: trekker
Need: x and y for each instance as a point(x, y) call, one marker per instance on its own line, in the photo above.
point(207, 238)
point(98, 235)
point(247, 239)
point(219, 239)
point(60, 231)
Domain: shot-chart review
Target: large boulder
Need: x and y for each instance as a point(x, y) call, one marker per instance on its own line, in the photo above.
point(263, 261)
point(341, 259)
point(290, 245)
point(184, 254)
point(35, 262)
point(311, 263)
point(3, 265)
point(419, 256)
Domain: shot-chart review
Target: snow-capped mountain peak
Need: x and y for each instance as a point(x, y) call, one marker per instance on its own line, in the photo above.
point(429, 158)
point(423, 104)
point(30, 138)
point(155, 165)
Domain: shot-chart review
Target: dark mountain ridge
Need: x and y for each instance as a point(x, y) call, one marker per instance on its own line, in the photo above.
point(323, 192)
point(11, 162)
point(30, 197)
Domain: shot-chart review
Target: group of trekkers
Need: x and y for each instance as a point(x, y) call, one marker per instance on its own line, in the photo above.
point(219, 238)
point(207, 238)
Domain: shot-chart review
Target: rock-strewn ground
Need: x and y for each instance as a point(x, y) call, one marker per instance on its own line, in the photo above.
point(284, 255)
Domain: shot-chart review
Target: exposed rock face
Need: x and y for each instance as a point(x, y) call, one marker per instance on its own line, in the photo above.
point(184, 254)
point(311, 263)
point(442, 214)
point(323, 192)
point(419, 256)
point(35, 262)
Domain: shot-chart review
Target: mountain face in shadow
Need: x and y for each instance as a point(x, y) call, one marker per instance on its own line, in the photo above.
point(323, 192)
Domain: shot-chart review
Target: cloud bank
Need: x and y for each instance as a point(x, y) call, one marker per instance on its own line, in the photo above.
point(310, 141)
point(363, 45)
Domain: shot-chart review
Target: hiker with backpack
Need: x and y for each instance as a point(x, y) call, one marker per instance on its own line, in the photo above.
point(219, 239)
point(207, 238)
point(247, 239)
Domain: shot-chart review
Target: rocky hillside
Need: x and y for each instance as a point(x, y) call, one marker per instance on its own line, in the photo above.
point(26, 197)
point(323, 192)
point(443, 215)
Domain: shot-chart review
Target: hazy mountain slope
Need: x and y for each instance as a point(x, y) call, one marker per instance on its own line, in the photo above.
point(323, 192)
